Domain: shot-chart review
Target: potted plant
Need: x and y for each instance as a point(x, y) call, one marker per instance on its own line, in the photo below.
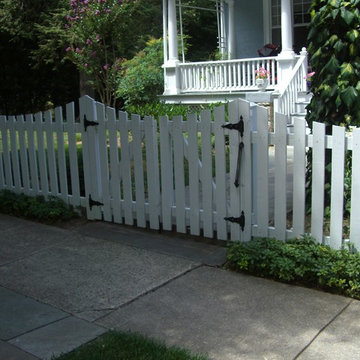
point(262, 78)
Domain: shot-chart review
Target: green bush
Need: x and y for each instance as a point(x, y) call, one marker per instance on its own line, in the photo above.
point(142, 78)
point(37, 208)
point(299, 261)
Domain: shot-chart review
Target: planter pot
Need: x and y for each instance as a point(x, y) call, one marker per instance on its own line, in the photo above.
point(262, 84)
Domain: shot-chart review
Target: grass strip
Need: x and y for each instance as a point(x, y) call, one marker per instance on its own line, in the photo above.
point(128, 346)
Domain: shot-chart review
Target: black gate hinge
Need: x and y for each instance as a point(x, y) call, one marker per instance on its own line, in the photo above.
point(240, 220)
point(237, 126)
point(94, 203)
point(89, 123)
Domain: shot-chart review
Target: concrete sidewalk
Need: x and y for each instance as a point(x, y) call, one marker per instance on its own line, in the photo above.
point(60, 288)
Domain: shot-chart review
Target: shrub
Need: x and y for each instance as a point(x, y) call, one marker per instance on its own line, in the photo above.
point(300, 261)
point(37, 208)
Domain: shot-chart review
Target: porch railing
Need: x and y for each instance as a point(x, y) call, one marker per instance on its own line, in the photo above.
point(288, 92)
point(227, 75)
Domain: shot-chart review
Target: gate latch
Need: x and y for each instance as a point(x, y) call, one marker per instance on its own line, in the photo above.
point(237, 126)
point(94, 203)
point(240, 220)
point(89, 123)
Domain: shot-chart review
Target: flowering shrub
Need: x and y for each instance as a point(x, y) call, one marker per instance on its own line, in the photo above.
point(262, 73)
point(95, 38)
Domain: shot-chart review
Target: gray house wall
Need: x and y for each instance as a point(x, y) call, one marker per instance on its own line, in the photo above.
point(248, 27)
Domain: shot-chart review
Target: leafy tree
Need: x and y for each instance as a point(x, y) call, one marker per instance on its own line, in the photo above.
point(28, 83)
point(141, 79)
point(101, 34)
point(334, 48)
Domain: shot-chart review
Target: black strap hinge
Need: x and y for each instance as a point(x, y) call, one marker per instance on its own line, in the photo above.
point(240, 220)
point(238, 126)
point(89, 123)
point(94, 203)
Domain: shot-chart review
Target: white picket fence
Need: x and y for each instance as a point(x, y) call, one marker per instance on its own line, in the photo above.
point(179, 174)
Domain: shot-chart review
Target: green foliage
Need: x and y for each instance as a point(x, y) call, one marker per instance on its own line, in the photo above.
point(158, 109)
point(26, 83)
point(301, 261)
point(101, 34)
point(128, 346)
point(334, 48)
point(37, 208)
point(142, 78)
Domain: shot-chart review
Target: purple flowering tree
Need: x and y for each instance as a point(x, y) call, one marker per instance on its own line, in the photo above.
point(97, 40)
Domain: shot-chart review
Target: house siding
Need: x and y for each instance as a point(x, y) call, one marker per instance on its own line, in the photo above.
point(248, 27)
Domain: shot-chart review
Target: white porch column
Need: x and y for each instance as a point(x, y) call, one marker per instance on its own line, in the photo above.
point(172, 80)
point(286, 58)
point(172, 30)
point(231, 31)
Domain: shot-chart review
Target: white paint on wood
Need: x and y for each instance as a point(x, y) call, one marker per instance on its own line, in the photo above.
point(167, 186)
point(194, 176)
point(299, 176)
point(221, 200)
point(337, 187)
point(138, 171)
point(280, 176)
point(206, 174)
point(318, 179)
point(355, 190)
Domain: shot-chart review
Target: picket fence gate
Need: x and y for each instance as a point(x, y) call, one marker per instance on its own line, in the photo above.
point(222, 174)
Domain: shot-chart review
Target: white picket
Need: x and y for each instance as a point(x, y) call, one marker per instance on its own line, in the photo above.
point(4, 123)
point(221, 200)
point(167, 186)
point(318, 179)
point(115, 179)
point(152, 168)
point(90, 157)
point(280, 176)
point(44, 185)
point(24, 164)
point(245, 171)
point(206, 173)
point(14, 153)
point(138, 170)
point(299, 177)
point(125, 168)
point(50, 151)
point(2, 169)
point(355, 190)
point(178, 138)
point(261, 191)
point(34, 175)
point(104, 161)
point(194, 174)
point(59, 128)
point(73, 156)
point(234, 141)
point(337, 186)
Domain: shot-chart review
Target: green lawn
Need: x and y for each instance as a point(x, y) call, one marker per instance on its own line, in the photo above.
point(128, 346)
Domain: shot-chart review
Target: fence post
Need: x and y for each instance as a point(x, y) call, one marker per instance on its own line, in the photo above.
point(91, 157)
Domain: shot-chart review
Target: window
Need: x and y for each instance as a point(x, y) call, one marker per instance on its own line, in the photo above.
point(301, 10)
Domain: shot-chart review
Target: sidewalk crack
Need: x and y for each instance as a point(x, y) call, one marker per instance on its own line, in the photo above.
point(323, 328)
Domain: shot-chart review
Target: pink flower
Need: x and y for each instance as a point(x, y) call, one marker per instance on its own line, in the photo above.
point(97, 37)
point(93, 53)
point(78, 50)
point(108, 11)
point(97, 12)
point(86, 64)
point(68, 17)
point(88, 42)
point(68, 49)
point(106, 66)
point(85, 2)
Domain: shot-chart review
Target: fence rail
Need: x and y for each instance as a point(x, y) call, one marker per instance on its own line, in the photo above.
point(180, 173)
point(226, 75)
